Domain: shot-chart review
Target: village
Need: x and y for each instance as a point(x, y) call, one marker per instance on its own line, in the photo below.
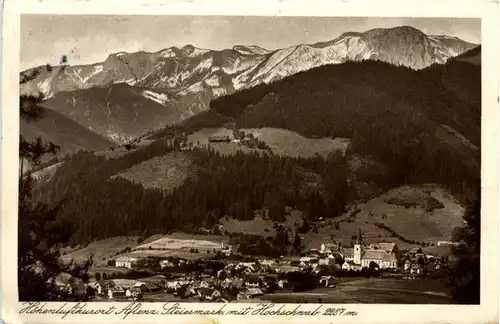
point(213, 272)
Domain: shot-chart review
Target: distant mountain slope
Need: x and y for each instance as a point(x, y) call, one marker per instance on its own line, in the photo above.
point(472, 56)
point(185, 79)
point(461, 75)
point(64, 131)
point(120, 112)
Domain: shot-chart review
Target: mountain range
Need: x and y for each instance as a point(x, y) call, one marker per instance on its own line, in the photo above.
point(129, 94)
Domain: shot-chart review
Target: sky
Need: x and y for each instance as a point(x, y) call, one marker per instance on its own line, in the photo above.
point(87, 39)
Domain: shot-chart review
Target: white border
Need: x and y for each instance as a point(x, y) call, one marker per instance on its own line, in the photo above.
point(370, 313)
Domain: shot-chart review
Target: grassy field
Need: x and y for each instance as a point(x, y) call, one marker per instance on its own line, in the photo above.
point(164, 172)
point(259, 225)
point(413, 222)
point(380, 291)
point(281, 141)
point(101, 250)
point(285, 142)
point(176, 244)
point(171, 243)
point(201, 138)
point(179, 245)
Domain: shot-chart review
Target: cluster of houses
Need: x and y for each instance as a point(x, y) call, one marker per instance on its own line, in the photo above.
point(379, 255)
point(124, 288)
point(382, 256)
point(250, 279)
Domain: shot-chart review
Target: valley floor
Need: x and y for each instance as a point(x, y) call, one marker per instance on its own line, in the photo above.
point(369, 291)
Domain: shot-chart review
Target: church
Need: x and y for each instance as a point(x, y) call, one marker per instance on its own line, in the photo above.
point(385, 255)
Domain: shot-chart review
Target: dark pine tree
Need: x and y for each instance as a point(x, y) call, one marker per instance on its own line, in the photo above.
point(297, 243)
point(39, 232)
point(465, 273)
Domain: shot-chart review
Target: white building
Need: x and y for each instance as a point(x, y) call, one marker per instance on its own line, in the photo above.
point(126, 262)
point(166, 264)
point(385, 255)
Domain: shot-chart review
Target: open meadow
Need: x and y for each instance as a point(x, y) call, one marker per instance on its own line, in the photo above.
point(377, 291)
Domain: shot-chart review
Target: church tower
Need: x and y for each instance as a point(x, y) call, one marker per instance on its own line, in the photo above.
point(358, 248)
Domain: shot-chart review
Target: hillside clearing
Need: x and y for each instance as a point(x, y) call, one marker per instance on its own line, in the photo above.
point(259, 225)
point(122, 150)
point(100, 250)
point(163, 172)
point(171, 243)
point(46, 173)
point(175, 244)
point(289, 143)
point(413, 223)
point(201, 139)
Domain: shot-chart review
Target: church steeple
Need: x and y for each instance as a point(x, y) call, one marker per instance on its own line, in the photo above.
point(360, 237)
point(358, 254)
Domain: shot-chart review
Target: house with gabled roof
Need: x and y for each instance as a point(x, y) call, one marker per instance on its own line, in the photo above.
point(384, 255)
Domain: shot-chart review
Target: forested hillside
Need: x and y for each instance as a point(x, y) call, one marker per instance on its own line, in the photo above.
point(99, 207)
point(390, 113)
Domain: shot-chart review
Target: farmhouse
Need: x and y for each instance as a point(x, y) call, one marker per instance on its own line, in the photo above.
point(350, 265)
point(167, 264)
point(126, 262)
point(116, 292)
point(146, 286)
point(215, 138)
point(227, 249)
point(253, 281)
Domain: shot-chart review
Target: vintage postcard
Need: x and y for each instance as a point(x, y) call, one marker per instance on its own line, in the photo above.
point(221, 162)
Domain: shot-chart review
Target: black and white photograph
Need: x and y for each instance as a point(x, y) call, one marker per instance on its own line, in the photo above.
point(249, 159)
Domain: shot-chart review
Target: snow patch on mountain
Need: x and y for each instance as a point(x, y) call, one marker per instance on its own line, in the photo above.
point(241, 64)
point(219, 91)
point(45, 87)
point(160, 98)
point(251, 50)
point(213, 80)
point(194, 88)
point(442, 51)
point(274, 60)
point(204, 64)
point(169, 52)
point(118, 137)
point(443, 37)
point(243, 79)
point(97, 69)
point(305, 57)
point(195, 52)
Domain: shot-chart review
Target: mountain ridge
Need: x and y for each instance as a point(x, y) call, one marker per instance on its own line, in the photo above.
point(185, 79)
point(142, 61)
